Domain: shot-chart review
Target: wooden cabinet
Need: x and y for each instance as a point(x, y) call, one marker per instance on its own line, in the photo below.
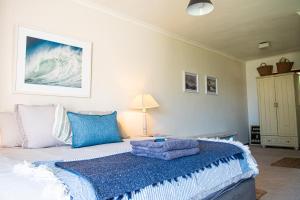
point(279, 109)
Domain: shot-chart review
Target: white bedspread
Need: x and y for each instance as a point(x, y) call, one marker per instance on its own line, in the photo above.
point(15, 185)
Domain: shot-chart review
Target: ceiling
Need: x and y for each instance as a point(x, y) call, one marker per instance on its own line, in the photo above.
point(235, 27)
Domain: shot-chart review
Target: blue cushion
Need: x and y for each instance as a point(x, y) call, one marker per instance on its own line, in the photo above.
point(89, 130)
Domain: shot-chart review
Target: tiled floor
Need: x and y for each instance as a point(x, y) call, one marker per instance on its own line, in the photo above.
point(280, 183)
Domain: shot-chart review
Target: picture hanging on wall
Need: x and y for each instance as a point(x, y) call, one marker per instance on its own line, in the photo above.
point(211, 85)
point(49, 64)
point(190, 82)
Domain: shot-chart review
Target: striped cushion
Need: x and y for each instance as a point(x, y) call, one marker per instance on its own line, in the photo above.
point(61, 127)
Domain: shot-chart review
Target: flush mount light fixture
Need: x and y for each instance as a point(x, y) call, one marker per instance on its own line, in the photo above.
point(263, 45)
point(199, 7)
point(298, 12)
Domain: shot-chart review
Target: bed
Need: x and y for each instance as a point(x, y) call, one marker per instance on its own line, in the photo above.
point(43, 181)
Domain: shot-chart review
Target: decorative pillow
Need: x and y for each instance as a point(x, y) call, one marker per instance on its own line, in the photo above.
point(89, 130)
point(9, 130)
point(36, 124)
point(61, 128)
point(96, 112)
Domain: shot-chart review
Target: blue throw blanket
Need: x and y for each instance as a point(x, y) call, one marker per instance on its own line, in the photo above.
point(124, 174)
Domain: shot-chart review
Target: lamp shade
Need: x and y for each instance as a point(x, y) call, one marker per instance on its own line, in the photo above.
point(199, 7)
point(144, 101)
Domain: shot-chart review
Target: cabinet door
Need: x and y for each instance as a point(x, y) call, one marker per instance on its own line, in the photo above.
point(267, 110)
point(286, 111)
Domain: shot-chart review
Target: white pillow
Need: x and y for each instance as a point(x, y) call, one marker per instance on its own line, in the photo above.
point(62, 127)
point(9, 131)
point(36, 123)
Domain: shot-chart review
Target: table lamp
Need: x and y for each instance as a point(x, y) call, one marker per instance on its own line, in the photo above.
point(144, 102)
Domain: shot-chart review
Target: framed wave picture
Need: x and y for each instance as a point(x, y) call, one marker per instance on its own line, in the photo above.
point(49, 64)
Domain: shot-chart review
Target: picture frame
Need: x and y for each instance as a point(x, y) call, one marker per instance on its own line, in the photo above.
point(49, 64)
point(190, 82)
point(211, 85)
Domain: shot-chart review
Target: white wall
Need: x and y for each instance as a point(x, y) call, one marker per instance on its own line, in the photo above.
point(130, 59)
point(251, 74)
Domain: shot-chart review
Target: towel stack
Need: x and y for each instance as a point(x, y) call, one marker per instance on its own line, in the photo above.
point(167, 150)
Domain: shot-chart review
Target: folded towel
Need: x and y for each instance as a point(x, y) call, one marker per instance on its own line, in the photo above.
point(168, 145)
point(168, 155)
point(154, 150)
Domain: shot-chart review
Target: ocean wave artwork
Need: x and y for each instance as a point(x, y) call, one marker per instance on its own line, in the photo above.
point(52, 64)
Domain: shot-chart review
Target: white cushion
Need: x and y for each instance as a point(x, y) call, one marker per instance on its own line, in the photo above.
point(9, 131)
point(36, 124)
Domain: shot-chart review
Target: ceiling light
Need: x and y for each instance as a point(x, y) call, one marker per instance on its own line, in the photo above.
point(298, 12)
point(199, 7)
point(263, 45)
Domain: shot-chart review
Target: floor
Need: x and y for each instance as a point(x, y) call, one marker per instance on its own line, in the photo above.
point(279, 182)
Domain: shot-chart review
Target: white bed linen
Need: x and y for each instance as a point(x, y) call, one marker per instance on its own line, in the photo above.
point(201, 185)
point(40, 186)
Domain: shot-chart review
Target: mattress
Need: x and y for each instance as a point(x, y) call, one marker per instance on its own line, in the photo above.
point(54, 183)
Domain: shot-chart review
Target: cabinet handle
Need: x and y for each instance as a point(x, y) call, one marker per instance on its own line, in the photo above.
point(275, 104)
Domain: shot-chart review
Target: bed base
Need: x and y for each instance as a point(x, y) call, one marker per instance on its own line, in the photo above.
point(243, 190)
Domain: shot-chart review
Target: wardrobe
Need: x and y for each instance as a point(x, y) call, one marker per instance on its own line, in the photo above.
point(279, 109)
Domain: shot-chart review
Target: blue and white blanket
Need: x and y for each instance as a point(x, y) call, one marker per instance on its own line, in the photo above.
point(199, 185)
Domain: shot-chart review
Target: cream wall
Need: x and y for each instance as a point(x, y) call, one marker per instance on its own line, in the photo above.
point(130, 59)
point(251, 74)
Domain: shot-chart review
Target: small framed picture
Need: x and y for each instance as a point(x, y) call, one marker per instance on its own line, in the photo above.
point(190, 82)
point(211, 85)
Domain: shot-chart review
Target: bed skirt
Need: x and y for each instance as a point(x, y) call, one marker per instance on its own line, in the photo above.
point(242, 190)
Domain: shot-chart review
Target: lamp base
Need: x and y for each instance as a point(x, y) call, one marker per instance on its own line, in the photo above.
point(145, 123)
